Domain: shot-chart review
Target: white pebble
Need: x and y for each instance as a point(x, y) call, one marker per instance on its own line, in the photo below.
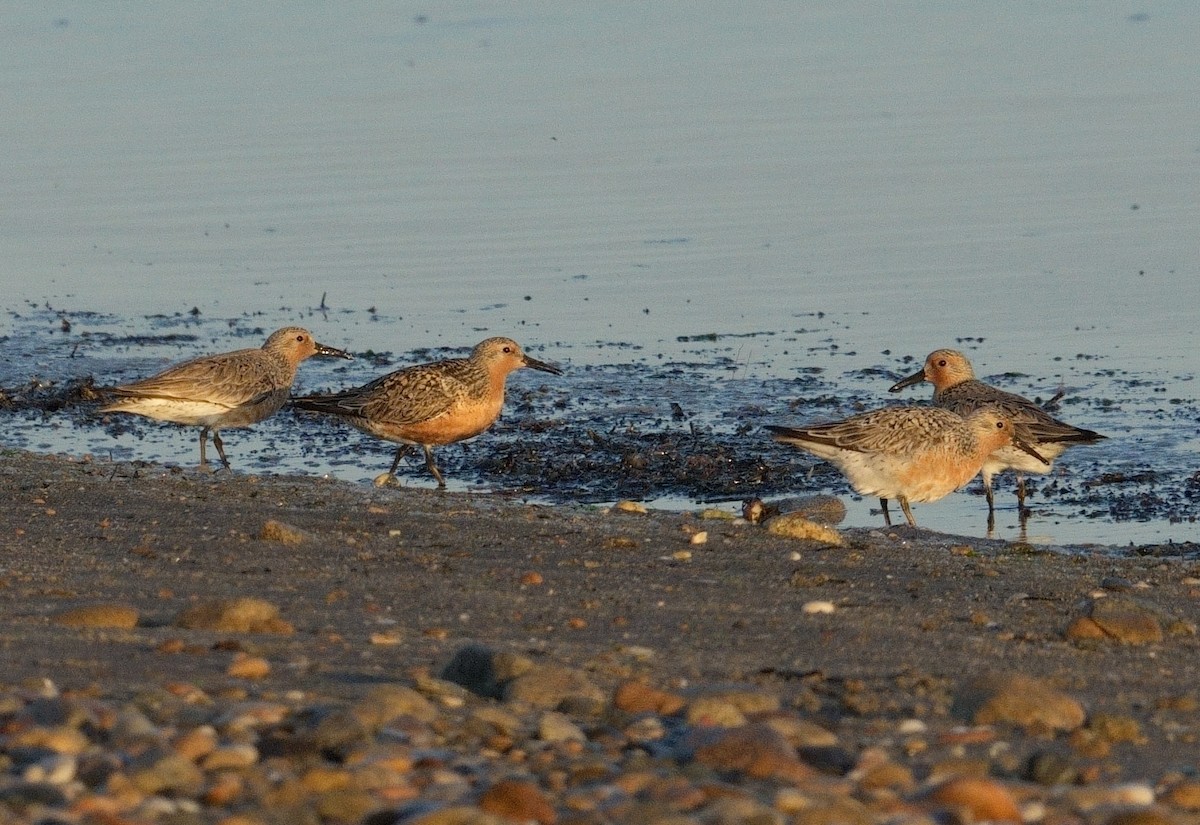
point(52, 770)
point(817, 607)
point(1089, 798)
point(1134, 794)
point(1033, 811)
point(700, 538)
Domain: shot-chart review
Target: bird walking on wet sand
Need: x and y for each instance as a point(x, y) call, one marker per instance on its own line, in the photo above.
point(430, 405)
point(956, 388)
point(907, 453)
point(226, 390)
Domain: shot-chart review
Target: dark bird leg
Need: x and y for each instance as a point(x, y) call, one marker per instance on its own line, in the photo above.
point(400, 453)
point(220, 448)
point(433, 468)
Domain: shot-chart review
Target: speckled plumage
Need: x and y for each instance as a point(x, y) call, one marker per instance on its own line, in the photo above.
point(906, 453)
point(223, 391)
point(956, 388)
point(430, 405)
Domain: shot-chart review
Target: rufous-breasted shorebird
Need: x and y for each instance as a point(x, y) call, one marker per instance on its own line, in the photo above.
point(430, 405)
point(907, 453)
point(956, 388)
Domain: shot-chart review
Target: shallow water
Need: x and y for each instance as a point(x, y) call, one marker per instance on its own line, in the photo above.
point(753, 191)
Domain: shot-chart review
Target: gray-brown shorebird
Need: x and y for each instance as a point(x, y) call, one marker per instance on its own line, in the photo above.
point(223, 391)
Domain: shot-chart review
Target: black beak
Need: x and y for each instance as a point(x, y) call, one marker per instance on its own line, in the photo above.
point(332, 352)
point(535, 364)
point(916, 378)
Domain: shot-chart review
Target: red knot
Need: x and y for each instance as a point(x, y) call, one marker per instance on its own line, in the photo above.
point(226, 390)
point(430, 405)
point(956, 388)
point(907, 453)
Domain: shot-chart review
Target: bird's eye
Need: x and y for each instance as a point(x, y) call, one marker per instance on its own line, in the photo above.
point(300, 338)
point(508, 349)
point(942, 363)
point(999, 425)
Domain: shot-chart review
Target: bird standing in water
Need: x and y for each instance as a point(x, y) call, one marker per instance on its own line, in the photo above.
point(430, 405)
point(226, 390)
point(956, 388)
point(907, 453)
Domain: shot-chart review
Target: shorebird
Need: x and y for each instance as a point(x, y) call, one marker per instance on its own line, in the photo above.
point(430, 405)
point(907, 453)
point(226, 390)
point(956, 388)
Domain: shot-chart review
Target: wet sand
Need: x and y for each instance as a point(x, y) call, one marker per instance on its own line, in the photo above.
point(378, 588)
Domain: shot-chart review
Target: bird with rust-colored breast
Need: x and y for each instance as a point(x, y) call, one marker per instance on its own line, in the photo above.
point(956, 388)
point(430, 405)
point(908, 453)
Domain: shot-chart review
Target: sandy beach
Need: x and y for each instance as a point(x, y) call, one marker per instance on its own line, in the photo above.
point(667, 648)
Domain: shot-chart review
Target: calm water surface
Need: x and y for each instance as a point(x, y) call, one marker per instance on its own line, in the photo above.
point(824, 185)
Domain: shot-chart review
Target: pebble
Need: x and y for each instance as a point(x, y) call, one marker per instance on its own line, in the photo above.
point(160, 771)
point(556, 727)
point(1018, 699)
point(107, 616)
point(58, 769)
point(384, 703)
point(26, 795)
point(801, 733)
point(1050, 768)
point(553, 687)
point(637, 697)
point(196, 743)
point(230, 757)
point(756, 750)
point(1147, 816)
point(1094, 797)
point(984, 799)
point(798, 526)
point(1118, 619)
point(243, 615)
point(244, 666)
point(283, 533)
point(729, 708)
point(1185, 795)
point(56, 739)
point(551, 746)
point(473, 668)
point(519, 801)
